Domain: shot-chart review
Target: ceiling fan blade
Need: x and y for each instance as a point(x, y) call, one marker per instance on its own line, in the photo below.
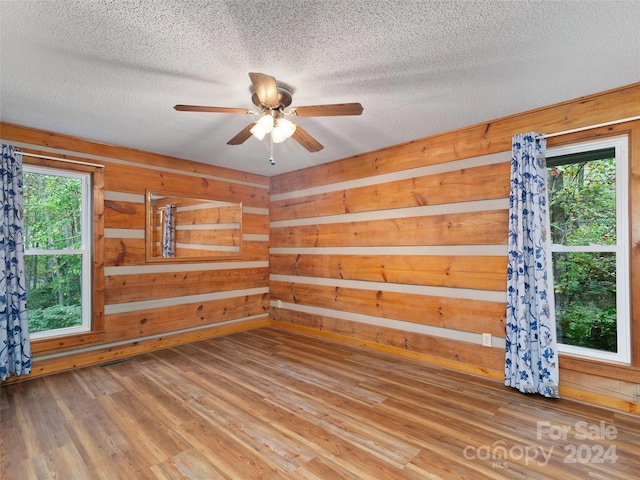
point(198, 108)
point(306, 140)
point(241, 137)
point(266, 89)
point(336, 109)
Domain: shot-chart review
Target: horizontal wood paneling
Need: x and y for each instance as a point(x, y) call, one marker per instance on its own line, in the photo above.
point(480, 272)
point(221, 237)
point(321, 216)
point(488, 228)
point(90, 148)
point(142, 323)
point(130, 179)
point(133, 288)
point(165, 302)
point(209, 215)
point(481, 139)
point(101, 354)
point(123, 251)
point(124, 215)
point(451, 313)
point(326, 220)
point(479, 183)
point(442, 351)
point(255, 224)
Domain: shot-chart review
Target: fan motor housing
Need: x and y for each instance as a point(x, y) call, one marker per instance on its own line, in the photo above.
point(285, 95)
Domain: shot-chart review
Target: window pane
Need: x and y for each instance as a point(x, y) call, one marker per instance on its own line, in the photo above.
point(582, 201)
point(585, 297)
point(53, 291)
point(52, 211)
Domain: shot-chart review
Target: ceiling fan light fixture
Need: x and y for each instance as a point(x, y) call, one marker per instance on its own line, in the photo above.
point(283, 130)
point(272, 97)
point(262, 127)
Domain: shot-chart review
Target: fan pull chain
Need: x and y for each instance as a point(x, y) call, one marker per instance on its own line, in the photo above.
point(271, 160)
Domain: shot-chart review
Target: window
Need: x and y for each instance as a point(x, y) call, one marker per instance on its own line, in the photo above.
point(57, 237)
point(588, 208)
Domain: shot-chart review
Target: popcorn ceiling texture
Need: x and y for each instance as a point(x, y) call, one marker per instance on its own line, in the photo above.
point(111, 70)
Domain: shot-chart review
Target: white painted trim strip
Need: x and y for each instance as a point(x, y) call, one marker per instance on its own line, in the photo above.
point(447, 208)
point(584, 248)
point(451, 334)
point(123, 197)
point(68, 251)
point(184, 300)
point(255, 237)
point(479, 161)
point(116, 196)
point(207, 204)
point(174, 267)
point(455, 250)
point(431, 291)
point(255, 210)
point(209, 248)
point(210, 226)
point(123, 233)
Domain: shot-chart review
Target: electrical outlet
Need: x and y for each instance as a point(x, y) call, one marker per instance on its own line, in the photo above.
point(486, 339)
point(279, 303)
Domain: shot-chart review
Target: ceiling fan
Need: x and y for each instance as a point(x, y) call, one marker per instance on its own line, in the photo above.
point(272, 98)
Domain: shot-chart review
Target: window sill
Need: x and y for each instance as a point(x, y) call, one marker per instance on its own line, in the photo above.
point(60, 344)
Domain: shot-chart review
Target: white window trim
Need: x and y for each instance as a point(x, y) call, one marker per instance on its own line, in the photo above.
point(85, 250)
point(623, 325)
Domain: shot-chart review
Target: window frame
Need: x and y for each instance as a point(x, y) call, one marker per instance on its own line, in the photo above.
point(95, 260)
point(85, 250)
point(620, 144)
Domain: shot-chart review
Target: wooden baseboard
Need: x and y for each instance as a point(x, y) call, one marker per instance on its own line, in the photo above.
point(566, 392)
point(600, 400)
point(494, 374)
point(110, 353)
point(71, 360)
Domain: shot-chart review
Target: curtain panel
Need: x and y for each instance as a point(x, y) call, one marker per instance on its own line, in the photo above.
point(15, 348)
point(169, 232)
point(531, 363)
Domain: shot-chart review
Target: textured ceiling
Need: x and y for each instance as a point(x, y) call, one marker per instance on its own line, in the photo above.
point(111, 71)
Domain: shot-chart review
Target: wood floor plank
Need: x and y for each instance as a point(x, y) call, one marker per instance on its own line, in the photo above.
point(105, 450)
point(61, 462)
point(276, 404)
point(188, 464)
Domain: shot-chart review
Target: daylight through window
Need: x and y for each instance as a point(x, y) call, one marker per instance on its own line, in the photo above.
point(588, 212)
point(57, 240)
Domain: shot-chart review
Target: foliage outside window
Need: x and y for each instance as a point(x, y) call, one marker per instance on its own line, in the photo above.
point(57, 253)
point(589, 245)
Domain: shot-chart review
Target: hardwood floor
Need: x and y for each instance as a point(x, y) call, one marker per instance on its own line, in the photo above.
point(275, 404)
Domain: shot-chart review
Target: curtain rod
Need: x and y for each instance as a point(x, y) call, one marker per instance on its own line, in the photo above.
point(78, 162)
point(589, 127)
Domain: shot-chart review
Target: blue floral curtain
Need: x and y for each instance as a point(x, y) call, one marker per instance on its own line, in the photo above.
point(169, 232)
point(15, 348)
point(531, 363)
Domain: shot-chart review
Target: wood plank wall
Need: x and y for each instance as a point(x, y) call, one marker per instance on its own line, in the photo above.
point(404, 249)
point(401, 249)
point(148, 306)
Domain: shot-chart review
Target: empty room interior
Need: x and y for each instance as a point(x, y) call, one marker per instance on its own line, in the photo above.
point(320, 240)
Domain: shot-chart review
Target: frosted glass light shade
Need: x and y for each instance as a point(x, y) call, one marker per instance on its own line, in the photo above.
point(283, 130)
point(262, 127)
